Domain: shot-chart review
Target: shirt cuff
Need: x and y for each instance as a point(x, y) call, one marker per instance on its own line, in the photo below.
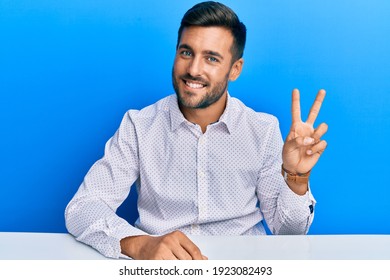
point(121, 232)
point(304, 202)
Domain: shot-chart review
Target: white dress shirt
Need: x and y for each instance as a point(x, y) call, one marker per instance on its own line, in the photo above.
point(221, 182)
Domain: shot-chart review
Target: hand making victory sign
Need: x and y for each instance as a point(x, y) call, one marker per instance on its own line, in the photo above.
point(303, 146)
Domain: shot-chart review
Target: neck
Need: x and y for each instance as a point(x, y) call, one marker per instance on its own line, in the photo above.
point(205, 116)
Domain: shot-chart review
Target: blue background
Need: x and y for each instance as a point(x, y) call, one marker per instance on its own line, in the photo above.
point(69, 70)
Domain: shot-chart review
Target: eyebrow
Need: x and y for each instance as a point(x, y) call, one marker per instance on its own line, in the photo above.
point(209, 52)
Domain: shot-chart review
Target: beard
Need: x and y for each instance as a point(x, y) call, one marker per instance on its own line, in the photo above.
point(210, 97)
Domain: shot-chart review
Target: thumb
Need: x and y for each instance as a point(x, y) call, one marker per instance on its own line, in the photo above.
point(299, 142)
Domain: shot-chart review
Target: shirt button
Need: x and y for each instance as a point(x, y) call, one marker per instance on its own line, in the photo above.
point(201, 173)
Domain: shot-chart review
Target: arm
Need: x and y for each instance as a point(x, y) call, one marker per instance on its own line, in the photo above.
point(284, 211)
point(288, 207)
point(90, 216)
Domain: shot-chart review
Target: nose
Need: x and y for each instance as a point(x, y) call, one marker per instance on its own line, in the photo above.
point(195, 67)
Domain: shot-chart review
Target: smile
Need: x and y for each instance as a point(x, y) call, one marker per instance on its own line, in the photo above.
point(194, 85)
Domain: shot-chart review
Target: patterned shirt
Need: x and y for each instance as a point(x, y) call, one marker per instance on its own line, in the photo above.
point(225, 181)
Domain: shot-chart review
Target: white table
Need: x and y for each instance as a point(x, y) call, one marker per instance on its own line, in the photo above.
point(296, 247)
point(60, 246)
point(43, 246)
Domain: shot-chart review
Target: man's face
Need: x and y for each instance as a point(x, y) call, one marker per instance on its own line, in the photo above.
point(203, 66)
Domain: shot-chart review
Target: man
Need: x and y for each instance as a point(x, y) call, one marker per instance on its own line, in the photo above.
point(204, 163)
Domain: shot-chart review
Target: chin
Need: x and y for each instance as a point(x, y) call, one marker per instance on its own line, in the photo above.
point(189, 102)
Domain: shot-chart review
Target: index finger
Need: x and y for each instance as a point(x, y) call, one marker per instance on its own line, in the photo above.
point(315, 109)
point(295, 106)
point(191, 248)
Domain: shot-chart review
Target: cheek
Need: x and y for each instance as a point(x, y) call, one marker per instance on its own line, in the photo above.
point(219, 75)
point(179, 66)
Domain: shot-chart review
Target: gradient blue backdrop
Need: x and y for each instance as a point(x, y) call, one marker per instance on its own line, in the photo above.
point(69, 70)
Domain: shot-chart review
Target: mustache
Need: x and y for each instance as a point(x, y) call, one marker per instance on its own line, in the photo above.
point(189, 78)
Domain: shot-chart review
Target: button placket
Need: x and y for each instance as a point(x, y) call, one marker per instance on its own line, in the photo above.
point(202, 178)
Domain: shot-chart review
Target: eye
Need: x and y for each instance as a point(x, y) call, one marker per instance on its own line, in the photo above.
point(185, 53)
point(212, 59)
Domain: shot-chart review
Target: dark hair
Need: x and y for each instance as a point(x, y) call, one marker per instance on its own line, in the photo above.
point(216, 14)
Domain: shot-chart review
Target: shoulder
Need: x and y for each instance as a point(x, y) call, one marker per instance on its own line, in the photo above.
point(250, 116)
point(152, 111)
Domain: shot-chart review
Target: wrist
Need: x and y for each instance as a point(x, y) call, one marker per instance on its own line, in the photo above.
point(295, 177)
point(130, 246)
point(297, 182)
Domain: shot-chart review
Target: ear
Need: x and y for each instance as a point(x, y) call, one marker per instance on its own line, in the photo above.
point(236, 69)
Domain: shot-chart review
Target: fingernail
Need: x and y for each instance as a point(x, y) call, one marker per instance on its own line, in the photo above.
point(309, 152)
point(308, 140)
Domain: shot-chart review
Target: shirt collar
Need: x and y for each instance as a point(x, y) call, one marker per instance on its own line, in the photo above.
point(177, 117)
point(228, 115)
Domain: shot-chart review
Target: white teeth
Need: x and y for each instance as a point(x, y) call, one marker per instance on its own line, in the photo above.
point(194, 85)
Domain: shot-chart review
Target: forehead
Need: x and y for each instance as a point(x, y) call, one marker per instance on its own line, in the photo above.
point(213, 38)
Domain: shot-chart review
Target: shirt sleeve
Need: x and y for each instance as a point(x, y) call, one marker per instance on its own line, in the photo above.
point(285, 212)
point(91, 214)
